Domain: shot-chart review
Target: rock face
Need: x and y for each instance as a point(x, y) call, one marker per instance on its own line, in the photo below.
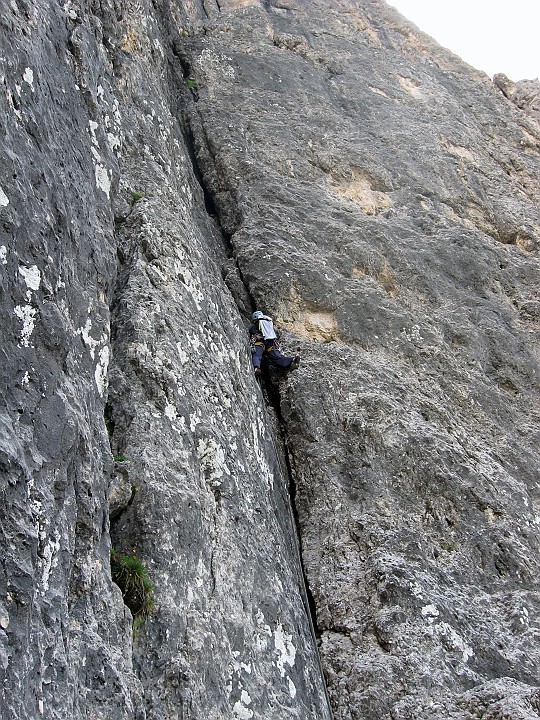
point(112, 274)
point(167, 168)
point(525, 93)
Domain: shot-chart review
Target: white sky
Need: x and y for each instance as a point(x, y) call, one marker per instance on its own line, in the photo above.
point(496, 37)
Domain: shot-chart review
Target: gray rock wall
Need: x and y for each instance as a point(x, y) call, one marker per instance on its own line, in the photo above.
point(388, 197)
point(116, 317)
point(65, 632)
point(165, 168)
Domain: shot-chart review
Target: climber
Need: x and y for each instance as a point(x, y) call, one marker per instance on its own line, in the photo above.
point(263, 340)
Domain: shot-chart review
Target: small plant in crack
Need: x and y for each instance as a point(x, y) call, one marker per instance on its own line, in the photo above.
point(136, 196)
point(131, 576)
point(120, 458)
point(448, 546)
point(191, 83)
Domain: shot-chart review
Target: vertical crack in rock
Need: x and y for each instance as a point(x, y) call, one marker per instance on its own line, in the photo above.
point(272, 397)
point(271, 388)
point(210, 516)
point(197, 145)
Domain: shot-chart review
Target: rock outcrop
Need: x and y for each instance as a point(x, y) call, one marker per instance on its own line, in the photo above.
point(524, 93)
point(167, 168)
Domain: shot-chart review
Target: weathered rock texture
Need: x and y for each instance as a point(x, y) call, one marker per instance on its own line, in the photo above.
point(167, 167)
point(101, 209)
point(525, 93)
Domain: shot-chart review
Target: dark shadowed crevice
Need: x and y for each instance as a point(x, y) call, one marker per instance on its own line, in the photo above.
point(213, 212)
point(272, 397)
point(208, 199)
point(271, 387)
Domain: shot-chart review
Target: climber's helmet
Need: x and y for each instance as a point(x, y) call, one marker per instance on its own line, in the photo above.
point(257, 315)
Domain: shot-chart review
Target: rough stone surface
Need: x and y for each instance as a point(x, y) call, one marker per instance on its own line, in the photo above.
point(165, 168)
point(386, 212)
point(525, 93)
point(101, 210)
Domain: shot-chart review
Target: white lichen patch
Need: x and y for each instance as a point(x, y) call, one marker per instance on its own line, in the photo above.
point(261, 462)
point(114, 142)
point(3, 254)
point(212, 459)
point(116, 111)
point(239, 667)
point(25, 379)
point(454, 640)
point(430, 612)
point(32, 276)
point(264, 632)
point(69, 10)
point(4, 200)
point(182, 354)
point(284, 648)
point(202, 572)
point(194, 420)
point(170, 411)
point(192, 286)
point(50, 560)
point(93, 126)
point(28, 77)
point(27, 314)
point(194, 342)
point(101, 370)
point(89, 341)
point(292, 688)
point(240, 709)
point(103, 180)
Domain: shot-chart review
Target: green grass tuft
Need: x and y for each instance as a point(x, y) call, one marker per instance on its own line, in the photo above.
point(131, 576)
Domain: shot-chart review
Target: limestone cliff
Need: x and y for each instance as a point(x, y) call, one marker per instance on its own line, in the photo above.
point(358, 539)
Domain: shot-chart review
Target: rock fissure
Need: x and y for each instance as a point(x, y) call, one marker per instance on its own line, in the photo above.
point(271, 395)
point(270, 392)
